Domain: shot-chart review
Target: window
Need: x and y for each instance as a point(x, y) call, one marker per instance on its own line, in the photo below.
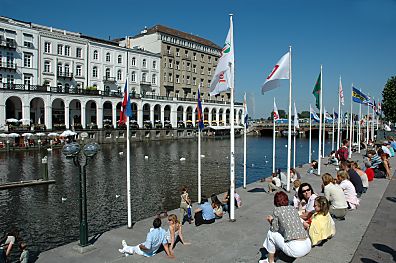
point(95, 55)
point(177, 79)
point(95, 72)
point(119, 74)
point(177, 65)
point(79, 52)
point(133, 76)
point(195, 81)
point(47, 47)
point(1, 78)
point(202, 58)
point(154, 64)
point(144, 63)
point(170, 63)
point(10, 59)
point(67, 69)
point(188, 66)
point(188, 80)
point(107, 73)
point(195, 68)
point(202, 70)
point(47, 66)
point(170, 79)
point(164, 76)
point(78, 70)
point(27, 60)
point(60, 49)
point(59, 69)
point(209, 59)
point(177, 52)
point(195, 56)
point(10, 79)
point(119, 59)
point(67, 51)
point(133, 61)
point(1, 58)
point(28, 40)
point(144, 77)
point(154, 79)
point(168, 49)
point(209, 71)
point(27, 79)
point(107, 57)
point(59, 85)
point(186, 53)
point(202, 81)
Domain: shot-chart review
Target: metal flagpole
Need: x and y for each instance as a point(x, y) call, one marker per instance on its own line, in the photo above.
point(351, 127)
point(310, 136)
point(128, 174)
point(199, 165)
point(368, 123)
point(372, 122)
point(324, 132)
point(294, 141)
point(339, 116)
point(273, 144)
point(332, 137)
point(232, 147)
point(289, 127)
point(320, 122)
point(359, 134)
point(244, 143)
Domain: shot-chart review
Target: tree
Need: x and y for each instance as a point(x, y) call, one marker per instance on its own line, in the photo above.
point(304, 115)
point(389, 99)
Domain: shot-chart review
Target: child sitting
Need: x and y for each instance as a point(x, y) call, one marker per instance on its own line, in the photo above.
point(322, 225)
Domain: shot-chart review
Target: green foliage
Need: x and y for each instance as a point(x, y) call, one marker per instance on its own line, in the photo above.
point(91, 88)
point(282, 114)
point(389, 99)
point(304, 115)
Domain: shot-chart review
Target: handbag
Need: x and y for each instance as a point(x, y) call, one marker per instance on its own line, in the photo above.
point(189, 214)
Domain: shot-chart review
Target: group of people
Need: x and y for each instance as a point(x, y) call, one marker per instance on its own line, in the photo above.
point(7, 242)
point(308, 220)
point(159, 239)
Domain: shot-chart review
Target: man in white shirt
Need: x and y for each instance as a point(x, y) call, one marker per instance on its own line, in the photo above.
point(385, 148)
point(274, 183)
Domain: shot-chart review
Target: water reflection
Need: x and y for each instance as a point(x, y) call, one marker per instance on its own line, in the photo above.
point(48, 215)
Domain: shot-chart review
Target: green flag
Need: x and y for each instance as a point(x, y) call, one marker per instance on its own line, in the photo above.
point(316, 91)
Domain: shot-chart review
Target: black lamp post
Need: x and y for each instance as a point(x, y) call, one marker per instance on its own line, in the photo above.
point(73, 150)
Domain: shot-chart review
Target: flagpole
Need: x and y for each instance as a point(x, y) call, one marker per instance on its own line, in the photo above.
point(294, 139)
point(339, 115)
point(273, 142)
point(128, 172)
point(320, 123)
point(199, 165)
point(359, 135)
point(289, 128)
point(232, 164)
point(351, 127)
point(372, 121)
point(332, 137)
point(324, 133)
point(244, 143)
point(310, 136)
point(368, 123)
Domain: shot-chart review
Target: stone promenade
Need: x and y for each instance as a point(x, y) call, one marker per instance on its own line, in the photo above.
point(242, 240)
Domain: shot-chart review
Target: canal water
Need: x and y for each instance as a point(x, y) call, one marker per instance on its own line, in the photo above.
point(47, 216)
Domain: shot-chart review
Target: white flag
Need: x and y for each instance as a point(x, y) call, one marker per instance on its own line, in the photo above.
point(224, 74)
point(280, 71)
point(276, 113)
point(296, 124)
point(327, 116)
point(341, 93)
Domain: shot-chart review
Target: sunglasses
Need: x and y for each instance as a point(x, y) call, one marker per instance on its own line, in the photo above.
point(306, 190)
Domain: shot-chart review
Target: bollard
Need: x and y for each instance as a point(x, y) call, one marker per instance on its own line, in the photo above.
point(44, 161)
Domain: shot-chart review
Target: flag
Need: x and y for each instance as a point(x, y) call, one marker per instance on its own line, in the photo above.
point(246, 111)
point(341, 93)
point(369, 102)
point(313, 114)
point(296, 124)
point(327, 116)
point(358, 96)
point(316, 91)
point(126, 109)
point(335, 115)
point(223, 77)
point(379, 109)
point(276, 113)
point(280, 71)
point(201, 125)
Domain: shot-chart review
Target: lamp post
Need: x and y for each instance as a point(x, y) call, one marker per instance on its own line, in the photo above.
point(73, 150)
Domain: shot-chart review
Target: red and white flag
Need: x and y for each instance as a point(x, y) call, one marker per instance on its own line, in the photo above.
point(341, 93)
point(280, 71)
point(276, 114)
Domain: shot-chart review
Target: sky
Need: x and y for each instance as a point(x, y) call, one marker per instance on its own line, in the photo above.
point(354, 39)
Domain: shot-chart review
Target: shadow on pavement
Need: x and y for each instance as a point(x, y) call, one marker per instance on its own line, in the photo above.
point(386, 249)
point(367, 260)
point(257, 190)
point(95, 238)
point(392, 199)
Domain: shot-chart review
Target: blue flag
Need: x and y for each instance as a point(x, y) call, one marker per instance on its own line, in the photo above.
point(358, 96)
point(201, 125)
point(126, 109)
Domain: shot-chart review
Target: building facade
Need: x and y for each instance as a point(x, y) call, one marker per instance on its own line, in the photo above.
point(186, 61)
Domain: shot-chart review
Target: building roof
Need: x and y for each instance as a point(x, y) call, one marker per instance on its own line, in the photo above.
point(180, 34)
point(100, 40)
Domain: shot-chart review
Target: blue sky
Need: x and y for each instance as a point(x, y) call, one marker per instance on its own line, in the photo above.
point(355, 38)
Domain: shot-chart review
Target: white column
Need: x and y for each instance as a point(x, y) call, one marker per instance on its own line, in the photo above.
point(83, 115)
point(48, 116)
point(99, 116)
point(217, 117)
point(114, 115)
point(210, 117)
point(67, 117)
point(162, 115)
point(2, 114)
point(193, 117)
point(224, 117)
point(140, 116)
point(152, 114)
point(184, 115)
point(173, 116)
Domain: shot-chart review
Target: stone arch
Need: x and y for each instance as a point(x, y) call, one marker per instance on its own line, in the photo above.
point(180, 113)
point(189, 112)
point(227, 120)
point(134, 111)
point(146, 112)
point(57, 112)
point(206, 114)
point(214, 111)
point(13, 107)
point(108, 112)
point(75, 113)
point(167, 113)
point(91, 112)
point(157, 112)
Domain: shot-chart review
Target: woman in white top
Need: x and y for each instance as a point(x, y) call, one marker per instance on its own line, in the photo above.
point(335, 195)
point(349, 189)
point(362, 175)
point(306, 193)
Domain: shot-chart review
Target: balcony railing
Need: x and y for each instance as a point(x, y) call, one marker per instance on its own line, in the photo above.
point(11, 44)
point(145, 83)
point(64, 74)
point(109, 79)
point(90, 92)
point(8, 65)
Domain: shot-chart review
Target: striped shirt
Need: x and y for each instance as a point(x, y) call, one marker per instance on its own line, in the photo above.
point(375, 161)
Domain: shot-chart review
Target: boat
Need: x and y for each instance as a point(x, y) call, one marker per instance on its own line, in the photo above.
point(285, 133)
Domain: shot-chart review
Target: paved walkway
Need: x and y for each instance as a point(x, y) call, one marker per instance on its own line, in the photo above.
point(238, 241)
